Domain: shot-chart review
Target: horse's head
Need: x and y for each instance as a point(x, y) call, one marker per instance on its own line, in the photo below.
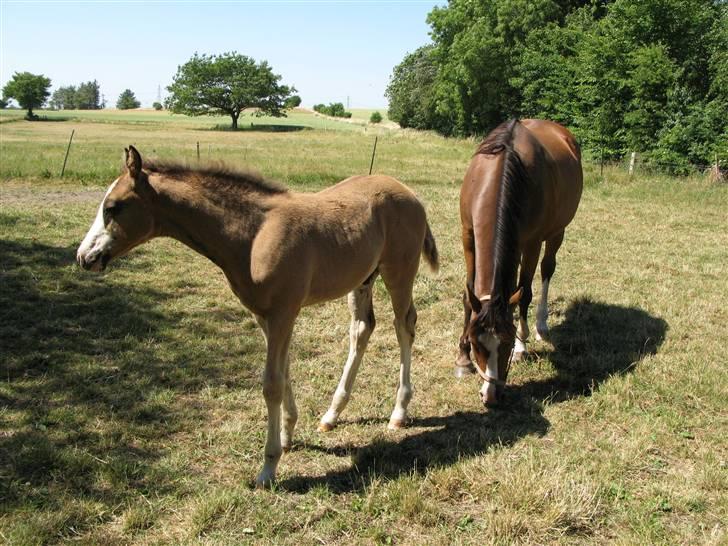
point(124, 219)
point(492, 335)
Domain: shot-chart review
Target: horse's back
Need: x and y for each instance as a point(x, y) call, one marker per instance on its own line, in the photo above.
point(553, 159)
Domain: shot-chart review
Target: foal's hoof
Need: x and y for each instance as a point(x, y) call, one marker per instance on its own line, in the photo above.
point(325, 427)
point(396, 424)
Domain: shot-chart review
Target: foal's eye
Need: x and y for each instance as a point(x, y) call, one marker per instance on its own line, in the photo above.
point(112, 208)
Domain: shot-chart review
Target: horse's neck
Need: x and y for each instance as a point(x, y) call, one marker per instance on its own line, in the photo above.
point(189, 214)
point(498, 261)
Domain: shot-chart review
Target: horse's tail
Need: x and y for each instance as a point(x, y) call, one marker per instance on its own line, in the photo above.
point(429, 250)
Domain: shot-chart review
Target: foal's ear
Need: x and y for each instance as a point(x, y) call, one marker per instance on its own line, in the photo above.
point(515, 298)
point(133, 161)
point(475, 304)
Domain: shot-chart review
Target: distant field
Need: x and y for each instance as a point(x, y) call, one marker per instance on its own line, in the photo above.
point(130, 402)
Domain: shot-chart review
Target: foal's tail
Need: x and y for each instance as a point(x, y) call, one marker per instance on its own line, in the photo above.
point(429, 250)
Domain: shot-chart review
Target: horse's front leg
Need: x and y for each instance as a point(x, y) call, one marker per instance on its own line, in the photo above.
point(529, 261)
point(278, 331)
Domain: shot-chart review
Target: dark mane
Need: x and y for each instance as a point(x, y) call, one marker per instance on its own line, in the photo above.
point(214, 175)
point(512, 196)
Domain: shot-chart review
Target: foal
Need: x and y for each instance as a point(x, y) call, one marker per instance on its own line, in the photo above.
point(280, 250)
point(522, 188)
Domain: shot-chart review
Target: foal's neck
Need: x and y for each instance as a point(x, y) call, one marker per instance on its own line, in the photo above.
point(213, 224)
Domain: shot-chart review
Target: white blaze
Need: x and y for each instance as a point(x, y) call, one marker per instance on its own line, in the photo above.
point(97, 238)
point(488, 390)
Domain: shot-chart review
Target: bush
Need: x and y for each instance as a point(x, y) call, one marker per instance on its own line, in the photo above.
point(334, 109)
point(376, 117)
point(157, 106)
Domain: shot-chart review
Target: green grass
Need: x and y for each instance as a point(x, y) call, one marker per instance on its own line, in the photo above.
point(130, 402)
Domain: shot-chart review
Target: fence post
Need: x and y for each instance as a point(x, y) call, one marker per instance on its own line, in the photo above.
point(601, 161)
point(632, 162)
point(374, 151)
point(68, 149)
point(198, 150)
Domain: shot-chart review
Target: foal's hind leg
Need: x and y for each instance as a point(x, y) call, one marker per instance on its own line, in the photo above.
point(399, 286)
point(362, 326)
point(529, 261)
point(548, 266)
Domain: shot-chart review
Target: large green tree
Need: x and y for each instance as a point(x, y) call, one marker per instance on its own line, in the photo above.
point(30, 90)
point(127, 100)
point(88, 96)
point(64, 98)
point(227, 84)
point(410, 90)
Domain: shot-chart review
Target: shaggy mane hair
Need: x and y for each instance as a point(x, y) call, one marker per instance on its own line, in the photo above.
point(215, 175)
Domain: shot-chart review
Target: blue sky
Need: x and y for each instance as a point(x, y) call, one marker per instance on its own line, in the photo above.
point(329, 50)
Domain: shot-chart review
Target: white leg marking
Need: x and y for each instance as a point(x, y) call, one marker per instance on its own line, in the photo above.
point(488, 390)
point(542, 312)
point(521, 336)
point(360, 305)
point(405, 336)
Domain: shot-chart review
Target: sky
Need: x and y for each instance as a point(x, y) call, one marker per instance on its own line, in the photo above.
point(331, 51)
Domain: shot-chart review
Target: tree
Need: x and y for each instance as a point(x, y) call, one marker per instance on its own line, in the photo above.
point(410, 90)
point(227, 84)
point(157, 106)
point(3, 104)
point(293, 101)
point(64, 98)
point(376, 117)
point(30, 90)
point(88, 96)
point(127, 100)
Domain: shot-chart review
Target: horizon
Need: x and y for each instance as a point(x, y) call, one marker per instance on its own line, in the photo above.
point(330, 51)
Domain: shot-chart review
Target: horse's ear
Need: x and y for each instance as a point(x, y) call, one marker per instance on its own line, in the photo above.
point(133, 162)
point(515, 298)
point(475, 304)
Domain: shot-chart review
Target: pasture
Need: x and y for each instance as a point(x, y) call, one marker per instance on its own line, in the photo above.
point(130, 402)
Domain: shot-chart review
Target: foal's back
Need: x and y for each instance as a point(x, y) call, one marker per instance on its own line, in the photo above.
point(329, 242)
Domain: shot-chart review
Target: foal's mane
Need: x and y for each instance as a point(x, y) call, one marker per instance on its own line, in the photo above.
point(216, 176)
point(510, 206)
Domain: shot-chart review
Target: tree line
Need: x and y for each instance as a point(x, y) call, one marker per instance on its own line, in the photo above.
point(643, 75)
point(225, 84)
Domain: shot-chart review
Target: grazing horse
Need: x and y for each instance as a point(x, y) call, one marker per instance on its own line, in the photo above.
point(522, 188)
point(280, 250)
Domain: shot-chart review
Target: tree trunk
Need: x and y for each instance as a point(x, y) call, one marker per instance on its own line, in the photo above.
point(235, 120)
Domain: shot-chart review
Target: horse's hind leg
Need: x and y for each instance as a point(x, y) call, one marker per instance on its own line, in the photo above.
point(548, 266)
point(362, 326)
point(399, 285)
point(529, 261)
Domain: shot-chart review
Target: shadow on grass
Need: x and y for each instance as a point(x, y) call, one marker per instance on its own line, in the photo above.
point(259, 127)
point(594, 342)
point(90, 375)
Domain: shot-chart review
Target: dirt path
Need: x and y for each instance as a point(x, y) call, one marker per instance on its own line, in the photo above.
point(15, 193)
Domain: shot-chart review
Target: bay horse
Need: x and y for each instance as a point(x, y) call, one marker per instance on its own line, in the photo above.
point(522, 188)
point(280, 250)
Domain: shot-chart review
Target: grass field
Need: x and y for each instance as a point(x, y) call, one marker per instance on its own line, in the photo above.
point(130, 402)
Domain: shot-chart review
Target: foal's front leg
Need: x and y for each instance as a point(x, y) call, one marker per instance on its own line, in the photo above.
point(278, 330)
point(288, 407)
